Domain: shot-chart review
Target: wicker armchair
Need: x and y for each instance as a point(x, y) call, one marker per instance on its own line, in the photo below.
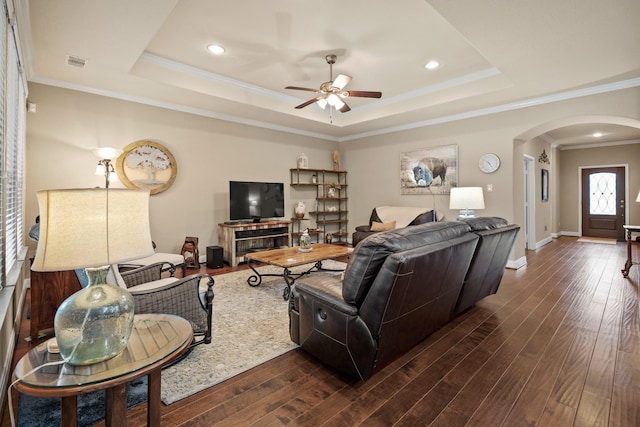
point(171, 262)
point(190, 297)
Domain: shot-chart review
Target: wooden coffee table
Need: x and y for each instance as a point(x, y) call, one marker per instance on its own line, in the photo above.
point(293, 257)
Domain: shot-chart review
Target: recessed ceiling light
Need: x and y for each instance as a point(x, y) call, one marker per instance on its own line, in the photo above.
point(597, 134)
point(432, 65)
point(216, 49)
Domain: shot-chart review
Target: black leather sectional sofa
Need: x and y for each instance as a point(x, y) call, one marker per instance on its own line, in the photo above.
point(399, 287)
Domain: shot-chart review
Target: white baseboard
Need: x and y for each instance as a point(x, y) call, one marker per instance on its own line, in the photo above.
point(515, 264)
point(543, 242)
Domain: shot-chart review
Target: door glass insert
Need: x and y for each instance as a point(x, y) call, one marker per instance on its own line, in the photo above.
point(602, 193)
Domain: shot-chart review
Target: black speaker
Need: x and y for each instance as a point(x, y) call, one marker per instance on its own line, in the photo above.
point(215, 257)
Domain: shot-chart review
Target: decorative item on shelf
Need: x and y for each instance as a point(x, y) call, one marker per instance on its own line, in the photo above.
point(328, 238)
point(305, 241)
point(466, 199)
point(314, 179)
point(92, 229)
point(105, 165)
point(336, 160)
point(332, 209)
point(303, 161)
point(299, 210)
point(190, 252)
point(332, 189)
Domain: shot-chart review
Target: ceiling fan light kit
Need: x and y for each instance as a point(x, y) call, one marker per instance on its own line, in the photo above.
point(332, 92)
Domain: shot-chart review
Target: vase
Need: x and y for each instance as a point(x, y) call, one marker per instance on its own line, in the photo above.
point(331, 192)
point(305, 240)
point(299, 210)
point(94, 324)
point(303, 161)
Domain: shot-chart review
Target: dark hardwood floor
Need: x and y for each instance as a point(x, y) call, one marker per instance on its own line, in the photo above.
point(558, 345)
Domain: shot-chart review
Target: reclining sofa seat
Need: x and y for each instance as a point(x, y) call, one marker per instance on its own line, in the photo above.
point(399, 287)
point(497, 237)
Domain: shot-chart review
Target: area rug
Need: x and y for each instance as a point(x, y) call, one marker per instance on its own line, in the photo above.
point(597, 240)
point(45, 412)
point(250, 327)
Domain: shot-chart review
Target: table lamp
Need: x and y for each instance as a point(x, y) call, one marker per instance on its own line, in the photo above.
point(92, 229)
point(466, 199)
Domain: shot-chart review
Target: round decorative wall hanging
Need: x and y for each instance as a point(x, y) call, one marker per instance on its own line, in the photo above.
point(147, 165)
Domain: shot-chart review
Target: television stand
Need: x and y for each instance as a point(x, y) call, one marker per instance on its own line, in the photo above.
point(238, 239)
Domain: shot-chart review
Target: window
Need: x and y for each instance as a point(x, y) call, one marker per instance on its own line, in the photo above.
point(13, 94)
point(602, 193)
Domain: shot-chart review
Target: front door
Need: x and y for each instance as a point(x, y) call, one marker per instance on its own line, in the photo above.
point(603, 202)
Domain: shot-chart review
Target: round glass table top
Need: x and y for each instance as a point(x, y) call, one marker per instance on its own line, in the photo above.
point(154, 337)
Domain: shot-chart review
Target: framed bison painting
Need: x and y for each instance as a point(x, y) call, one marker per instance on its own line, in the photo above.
point(432, 170)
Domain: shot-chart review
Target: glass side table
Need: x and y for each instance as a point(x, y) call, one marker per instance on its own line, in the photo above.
point(156, 340)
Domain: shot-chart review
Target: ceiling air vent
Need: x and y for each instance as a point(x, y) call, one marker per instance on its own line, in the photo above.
point(76, 61)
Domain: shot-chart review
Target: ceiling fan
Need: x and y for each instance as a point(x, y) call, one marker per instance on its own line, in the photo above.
point(332, 92)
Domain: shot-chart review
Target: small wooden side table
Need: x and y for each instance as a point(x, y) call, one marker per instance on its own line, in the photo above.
point(48, 290)
point(156, 340)
point(627, 265)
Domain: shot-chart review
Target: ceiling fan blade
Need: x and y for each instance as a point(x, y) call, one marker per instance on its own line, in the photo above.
point(309, 102)
point(364, 94)
point(302, 88)
point(341, 81)
point(345, 107)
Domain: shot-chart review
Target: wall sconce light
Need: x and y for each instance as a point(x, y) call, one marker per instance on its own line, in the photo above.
point(466, 199)
point(105, 166)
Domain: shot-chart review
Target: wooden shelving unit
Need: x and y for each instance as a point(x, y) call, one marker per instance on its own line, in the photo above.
point(331, 205)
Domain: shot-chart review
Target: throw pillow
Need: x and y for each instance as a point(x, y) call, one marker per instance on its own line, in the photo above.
point(383, 226)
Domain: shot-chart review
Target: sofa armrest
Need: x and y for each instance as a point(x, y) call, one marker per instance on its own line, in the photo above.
point(325, 326)
point(326, 289)
point(145, 274)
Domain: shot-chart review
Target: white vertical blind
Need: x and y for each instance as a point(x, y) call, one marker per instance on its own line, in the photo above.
point(13, 154)
point(12, 148)
point(3, 136)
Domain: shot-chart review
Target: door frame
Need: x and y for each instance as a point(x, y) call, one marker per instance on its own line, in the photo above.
point(626, 190)
point(530, 202)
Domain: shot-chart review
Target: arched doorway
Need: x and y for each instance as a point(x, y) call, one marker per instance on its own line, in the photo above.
point(541, 132)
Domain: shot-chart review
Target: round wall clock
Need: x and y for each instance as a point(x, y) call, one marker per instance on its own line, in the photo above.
point(147, 165)
point(489, 163)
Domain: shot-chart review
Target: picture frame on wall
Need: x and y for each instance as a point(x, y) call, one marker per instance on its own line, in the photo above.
point(545, 185)
point(147, 165)
point(432, 170)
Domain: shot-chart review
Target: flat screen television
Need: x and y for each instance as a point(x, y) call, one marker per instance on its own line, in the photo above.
point(255, 200)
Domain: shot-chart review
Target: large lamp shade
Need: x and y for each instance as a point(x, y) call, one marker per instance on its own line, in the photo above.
point(92, 227)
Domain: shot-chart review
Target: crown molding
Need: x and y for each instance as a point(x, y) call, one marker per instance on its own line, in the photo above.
point(578, 93)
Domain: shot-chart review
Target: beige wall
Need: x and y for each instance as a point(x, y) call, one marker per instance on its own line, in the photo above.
point(210, 152)
point(572, 160)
